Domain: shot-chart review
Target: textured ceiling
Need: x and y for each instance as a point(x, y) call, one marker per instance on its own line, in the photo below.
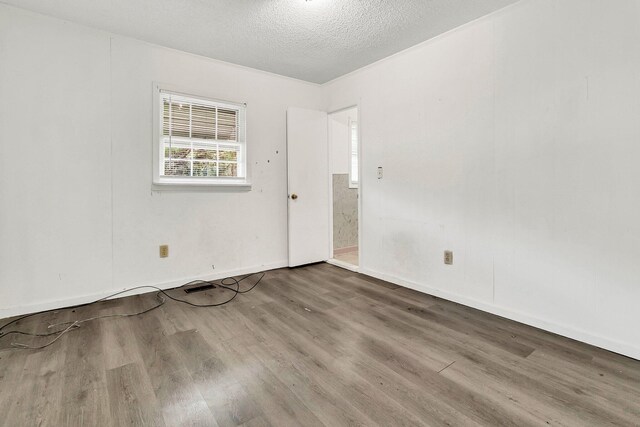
point(313, 40)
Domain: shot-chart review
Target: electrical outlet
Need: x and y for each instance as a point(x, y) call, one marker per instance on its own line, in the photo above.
point(164, 251)
point(380, 172)
point(448, 257)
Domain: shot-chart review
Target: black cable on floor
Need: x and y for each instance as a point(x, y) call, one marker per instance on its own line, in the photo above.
point(76, 324)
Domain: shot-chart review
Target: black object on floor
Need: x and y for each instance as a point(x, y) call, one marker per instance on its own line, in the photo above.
point(199, 288)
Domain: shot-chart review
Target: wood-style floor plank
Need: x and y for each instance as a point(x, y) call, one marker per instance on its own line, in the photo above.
point(85, 398)
point(36, 396)
point(310, 346)
point(131, 397)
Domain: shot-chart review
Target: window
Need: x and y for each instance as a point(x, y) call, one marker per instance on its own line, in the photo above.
point(199, 141)
point(353, 155)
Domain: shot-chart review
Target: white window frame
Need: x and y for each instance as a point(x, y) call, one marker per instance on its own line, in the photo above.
point(158, 143)
point(354, 180)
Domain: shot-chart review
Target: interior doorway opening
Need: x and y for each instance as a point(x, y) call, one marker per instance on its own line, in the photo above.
point(345, 187)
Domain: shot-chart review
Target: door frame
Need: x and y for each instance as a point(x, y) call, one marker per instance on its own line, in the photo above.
point(360, 186)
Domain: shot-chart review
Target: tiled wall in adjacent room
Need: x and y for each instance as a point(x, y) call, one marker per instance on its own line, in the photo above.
point(345, 213)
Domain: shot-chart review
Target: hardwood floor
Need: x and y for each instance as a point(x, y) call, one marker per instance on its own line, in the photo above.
point(311, 346)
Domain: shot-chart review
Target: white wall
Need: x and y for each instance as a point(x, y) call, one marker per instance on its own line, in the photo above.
point(515, 142)
point(78, 216)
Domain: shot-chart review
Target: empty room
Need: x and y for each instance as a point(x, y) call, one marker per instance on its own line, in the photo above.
point(319, 213)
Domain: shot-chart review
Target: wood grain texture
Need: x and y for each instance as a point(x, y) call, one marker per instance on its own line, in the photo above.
point(311, 346)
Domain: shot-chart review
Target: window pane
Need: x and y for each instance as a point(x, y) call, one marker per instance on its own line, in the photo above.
point(205, 154)
point(227, 124)
point(354, 152)
point(177, 153)
point(204, 169)
point(203, 121)
point(165, 117)
point(354, 168)
point(228, 169)
point(179, 119)
point(177, 168)
point(200, 137)
point(229, 153)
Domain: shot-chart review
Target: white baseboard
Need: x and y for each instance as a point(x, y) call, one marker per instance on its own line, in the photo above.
point(566, 331)
point(68, 302)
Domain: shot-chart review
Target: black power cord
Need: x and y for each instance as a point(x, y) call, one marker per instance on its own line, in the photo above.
point(224, 284)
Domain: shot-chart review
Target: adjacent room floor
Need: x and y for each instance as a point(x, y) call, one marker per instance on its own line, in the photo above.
point(316, 345)
point(349, 256)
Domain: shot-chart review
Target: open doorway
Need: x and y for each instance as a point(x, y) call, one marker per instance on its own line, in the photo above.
point(344, 146)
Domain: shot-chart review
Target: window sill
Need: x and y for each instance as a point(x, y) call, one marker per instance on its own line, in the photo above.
point(201, 186)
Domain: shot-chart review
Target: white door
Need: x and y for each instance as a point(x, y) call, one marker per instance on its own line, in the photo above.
point(308, 184)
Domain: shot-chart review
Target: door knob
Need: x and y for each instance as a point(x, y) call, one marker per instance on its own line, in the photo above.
point(294, 196)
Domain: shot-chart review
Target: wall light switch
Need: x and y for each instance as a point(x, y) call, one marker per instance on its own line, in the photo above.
point(379, 172)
